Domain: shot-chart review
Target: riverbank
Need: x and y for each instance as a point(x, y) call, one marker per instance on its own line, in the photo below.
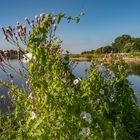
point(128, 58)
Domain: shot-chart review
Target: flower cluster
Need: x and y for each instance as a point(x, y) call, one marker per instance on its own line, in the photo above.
point(14, 36)
point(20, 34)
point(85, 131)
point(27, 57)
point(86, 116)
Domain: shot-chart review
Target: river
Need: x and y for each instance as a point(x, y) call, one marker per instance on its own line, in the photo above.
point(79, 71)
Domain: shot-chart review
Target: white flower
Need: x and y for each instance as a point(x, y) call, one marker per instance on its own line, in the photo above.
point(33, 115)
point(85, 131)
point(86, 116)
point(76, 81)
point(27, 57)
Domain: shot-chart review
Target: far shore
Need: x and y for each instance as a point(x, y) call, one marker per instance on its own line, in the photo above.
point(127, 58)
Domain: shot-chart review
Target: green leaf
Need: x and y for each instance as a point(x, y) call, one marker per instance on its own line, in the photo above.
point(38, 122)
point(31, 67)
point(77, 19)
point(60, 16)
point(106, 107)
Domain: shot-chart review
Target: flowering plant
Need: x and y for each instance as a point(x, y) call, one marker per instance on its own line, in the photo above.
point(54, 104)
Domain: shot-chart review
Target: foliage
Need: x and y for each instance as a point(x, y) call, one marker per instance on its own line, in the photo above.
point(54, 104)
point(87, 52)
point(122, 44)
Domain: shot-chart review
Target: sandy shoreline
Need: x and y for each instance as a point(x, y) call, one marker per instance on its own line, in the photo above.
point(131, 60)
point(126, 59)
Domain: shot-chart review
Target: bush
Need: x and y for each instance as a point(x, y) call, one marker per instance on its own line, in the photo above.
point(54, 104)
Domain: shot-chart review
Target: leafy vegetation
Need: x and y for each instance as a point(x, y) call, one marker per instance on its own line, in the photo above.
point(122, 44)
point(54, 104)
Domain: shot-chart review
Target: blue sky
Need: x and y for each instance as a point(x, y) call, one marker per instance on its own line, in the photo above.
point(104, 20)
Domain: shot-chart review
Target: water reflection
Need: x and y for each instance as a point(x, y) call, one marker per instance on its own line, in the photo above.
point(134, 69)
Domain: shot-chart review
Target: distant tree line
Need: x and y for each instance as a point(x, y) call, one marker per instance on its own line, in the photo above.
point(122, 44)
point(87, 52)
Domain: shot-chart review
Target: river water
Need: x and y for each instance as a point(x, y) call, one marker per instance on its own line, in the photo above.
point(79, 71)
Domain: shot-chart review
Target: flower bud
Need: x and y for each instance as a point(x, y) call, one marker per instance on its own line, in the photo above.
point(42, 15)
point(10, 28)
point(38, 21)
point(36, 17)
point(27, 20)
point(32, 24)
point(17, 23)
point(8, 31)
point(24, 28)
point(3, 30)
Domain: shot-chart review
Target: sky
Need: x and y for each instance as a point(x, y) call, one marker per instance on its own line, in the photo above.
point(104, 20)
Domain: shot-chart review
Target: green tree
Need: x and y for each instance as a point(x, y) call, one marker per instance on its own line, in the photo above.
point(120, 41)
